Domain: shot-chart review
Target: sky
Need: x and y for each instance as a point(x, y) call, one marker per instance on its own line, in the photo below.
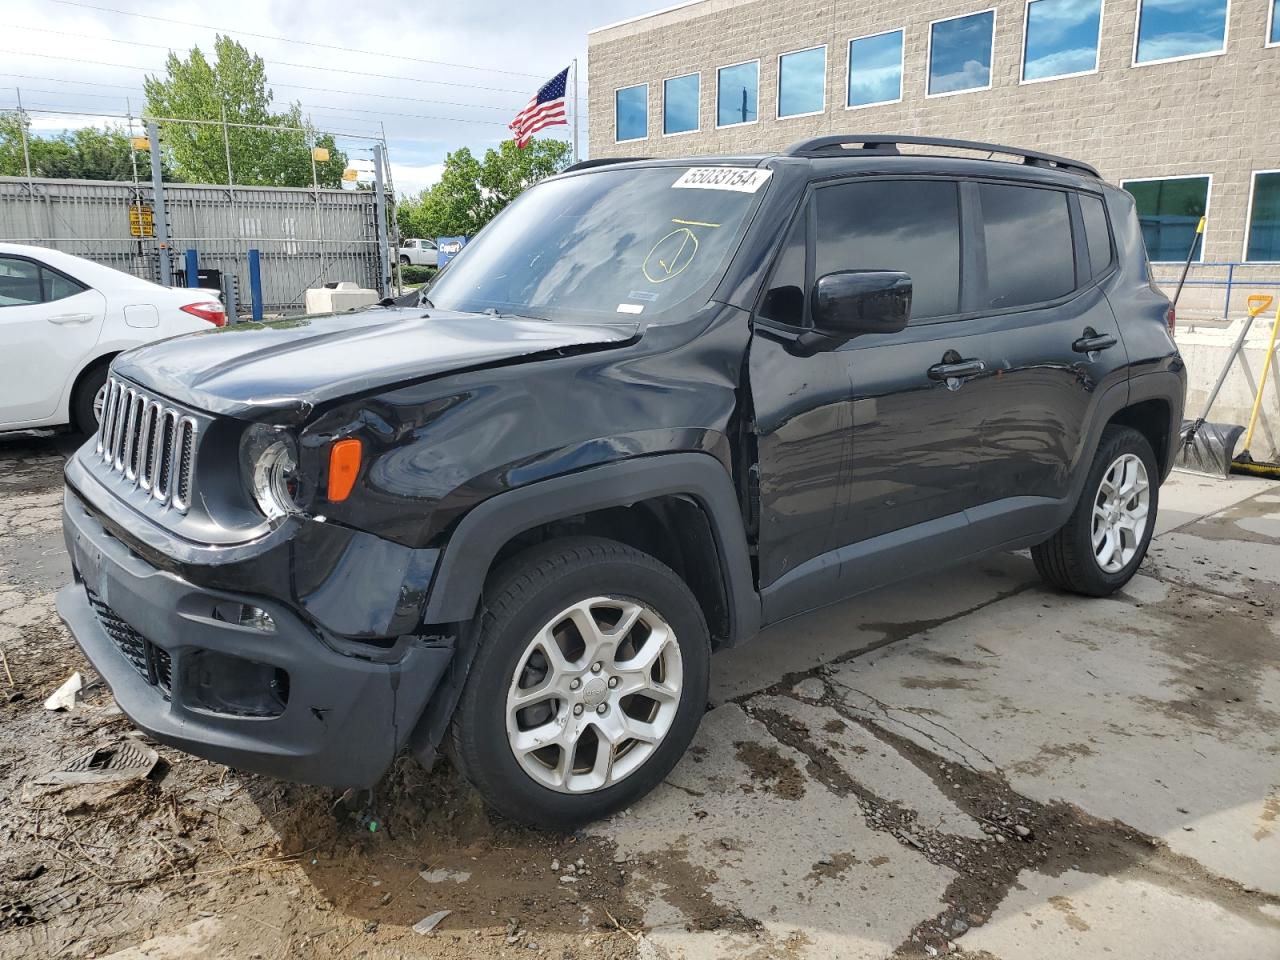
point(436, 75)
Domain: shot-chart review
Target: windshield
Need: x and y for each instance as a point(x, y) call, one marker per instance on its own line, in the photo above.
point(617, 242)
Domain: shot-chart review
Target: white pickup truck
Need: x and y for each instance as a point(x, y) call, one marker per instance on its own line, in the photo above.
point(421, 253)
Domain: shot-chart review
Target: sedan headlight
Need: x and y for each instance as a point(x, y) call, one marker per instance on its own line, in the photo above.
point(269, 464)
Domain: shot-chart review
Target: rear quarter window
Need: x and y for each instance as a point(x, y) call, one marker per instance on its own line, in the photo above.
point(1097, 233)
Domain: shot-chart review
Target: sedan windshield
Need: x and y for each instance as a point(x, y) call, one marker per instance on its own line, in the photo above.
point(618, 242)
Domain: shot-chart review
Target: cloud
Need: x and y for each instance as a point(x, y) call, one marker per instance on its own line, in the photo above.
point(411, 179)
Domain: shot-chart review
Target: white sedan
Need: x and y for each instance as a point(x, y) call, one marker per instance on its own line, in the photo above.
point(62, 320)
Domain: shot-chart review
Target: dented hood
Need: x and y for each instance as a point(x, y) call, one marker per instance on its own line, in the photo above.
point(289, 366)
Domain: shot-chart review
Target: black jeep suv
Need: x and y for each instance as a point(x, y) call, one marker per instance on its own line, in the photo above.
point(654, 406)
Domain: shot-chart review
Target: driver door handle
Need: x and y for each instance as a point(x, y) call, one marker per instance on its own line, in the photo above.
point(1092, 341)
point(956, 370)
point(71, 318)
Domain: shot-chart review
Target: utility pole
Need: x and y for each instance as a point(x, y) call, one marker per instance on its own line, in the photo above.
point(26, 162)
point(380, 219)
point(161, 216)
point(575, 109)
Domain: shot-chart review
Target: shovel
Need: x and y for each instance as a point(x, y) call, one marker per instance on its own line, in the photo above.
point(1210, 447)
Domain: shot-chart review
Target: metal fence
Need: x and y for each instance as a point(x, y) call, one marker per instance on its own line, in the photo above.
point(305, 237)
point(1218, 288)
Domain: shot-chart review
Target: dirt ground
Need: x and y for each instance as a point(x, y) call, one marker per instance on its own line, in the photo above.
point(966, 765)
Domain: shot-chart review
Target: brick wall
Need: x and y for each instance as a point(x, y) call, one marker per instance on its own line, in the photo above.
point(1217, 115)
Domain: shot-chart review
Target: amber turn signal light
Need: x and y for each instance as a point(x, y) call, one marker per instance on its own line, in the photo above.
point(344, 465)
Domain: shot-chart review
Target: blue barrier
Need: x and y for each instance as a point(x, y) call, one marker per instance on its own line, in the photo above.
point(193, 269)
point(255, 284)
point(1229, 281)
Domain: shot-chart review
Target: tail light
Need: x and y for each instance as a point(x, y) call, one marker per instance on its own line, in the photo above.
point(210, 310)
point(1171, 319)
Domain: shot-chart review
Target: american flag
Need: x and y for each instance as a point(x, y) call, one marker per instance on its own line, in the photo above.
point(546, 109)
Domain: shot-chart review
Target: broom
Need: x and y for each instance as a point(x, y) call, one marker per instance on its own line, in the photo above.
point(1245, 462)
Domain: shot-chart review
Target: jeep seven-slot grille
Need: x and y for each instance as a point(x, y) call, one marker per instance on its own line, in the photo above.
point(148, 444)
point(152, 662)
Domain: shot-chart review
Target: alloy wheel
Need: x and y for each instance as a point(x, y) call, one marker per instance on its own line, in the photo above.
point(594, 693)
point(1121, 512)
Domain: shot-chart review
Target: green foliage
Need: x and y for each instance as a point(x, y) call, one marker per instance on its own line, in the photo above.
point(235, 82)
point(472, 192)
point(413, 273)
point(86, 154)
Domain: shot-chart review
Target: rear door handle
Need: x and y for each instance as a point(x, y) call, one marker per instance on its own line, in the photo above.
point(71, 318)
point(956, 370)
point(1092, 341)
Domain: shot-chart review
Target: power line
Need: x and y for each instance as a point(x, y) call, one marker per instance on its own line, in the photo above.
point(307, 43)
point(292, 86)
point(274, 63)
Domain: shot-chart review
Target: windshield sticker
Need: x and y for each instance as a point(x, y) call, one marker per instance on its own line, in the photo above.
point(631, 308)
point(670, 256)
point(741, 179)
point(648, 296)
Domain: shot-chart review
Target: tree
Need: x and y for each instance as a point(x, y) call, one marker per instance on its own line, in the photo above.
point(84, 154)
point(472, 192)
point(234, 86)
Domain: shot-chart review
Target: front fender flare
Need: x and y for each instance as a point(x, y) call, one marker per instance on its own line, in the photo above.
point(469, 554)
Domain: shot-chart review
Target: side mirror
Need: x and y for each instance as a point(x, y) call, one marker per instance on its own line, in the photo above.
point(853, 302)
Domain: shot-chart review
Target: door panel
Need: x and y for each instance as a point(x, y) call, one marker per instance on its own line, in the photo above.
point(1047, 395)
point(802, 438)
point(917, 444)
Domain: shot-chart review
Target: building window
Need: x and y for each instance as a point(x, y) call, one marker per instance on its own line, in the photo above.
point(1027, 234)
point(737, 88)
point(1262, 239)
point(631, 113)
point(1178, 29)
point(680, 103)
point(875, 69)
point(802, 82)
point(1169, 210)
point(1061, 38)
point(907, 225)
point(1273, 24)
point(960, 53)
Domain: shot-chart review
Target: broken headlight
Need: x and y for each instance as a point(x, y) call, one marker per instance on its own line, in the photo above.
point(269, 465)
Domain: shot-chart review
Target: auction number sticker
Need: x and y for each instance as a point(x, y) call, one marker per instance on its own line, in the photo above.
point(741, 179)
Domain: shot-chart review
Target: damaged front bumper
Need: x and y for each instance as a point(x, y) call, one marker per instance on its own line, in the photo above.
point(235, 677)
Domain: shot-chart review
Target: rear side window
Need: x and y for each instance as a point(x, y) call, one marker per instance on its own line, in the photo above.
point(57, 286)
point(1027, 232)
point(1096, 233)
point(907, 225)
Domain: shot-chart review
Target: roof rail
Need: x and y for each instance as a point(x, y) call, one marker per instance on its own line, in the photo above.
point(887, 145)
point(600, 162)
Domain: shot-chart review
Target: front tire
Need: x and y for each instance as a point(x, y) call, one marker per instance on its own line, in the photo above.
point(589, 681)
point(86, 400)
point(1099, 549)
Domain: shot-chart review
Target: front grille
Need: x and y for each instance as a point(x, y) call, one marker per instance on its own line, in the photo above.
point(148, 444)
point(151, 662)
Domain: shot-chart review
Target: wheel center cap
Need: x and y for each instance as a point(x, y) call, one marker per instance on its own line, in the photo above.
point(595, 691)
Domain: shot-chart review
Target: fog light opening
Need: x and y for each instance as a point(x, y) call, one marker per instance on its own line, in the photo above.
point(245, 615)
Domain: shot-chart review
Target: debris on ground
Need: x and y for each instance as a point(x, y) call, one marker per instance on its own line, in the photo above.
point(427, 924)
point(67, 695)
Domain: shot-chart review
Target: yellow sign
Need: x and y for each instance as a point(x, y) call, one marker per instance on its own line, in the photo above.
point(141, 220)
point(350, 174)
point(140, 143)
point(320, 154)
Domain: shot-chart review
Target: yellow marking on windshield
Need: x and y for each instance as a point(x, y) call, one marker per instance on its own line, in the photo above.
point(694, 223)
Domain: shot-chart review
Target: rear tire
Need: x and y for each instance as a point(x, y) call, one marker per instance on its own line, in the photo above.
point(580, 699)
point(84, 399)
point(404, 261)
point(1122, 483)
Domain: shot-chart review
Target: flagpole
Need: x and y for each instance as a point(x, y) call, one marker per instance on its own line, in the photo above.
point(575, 109)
